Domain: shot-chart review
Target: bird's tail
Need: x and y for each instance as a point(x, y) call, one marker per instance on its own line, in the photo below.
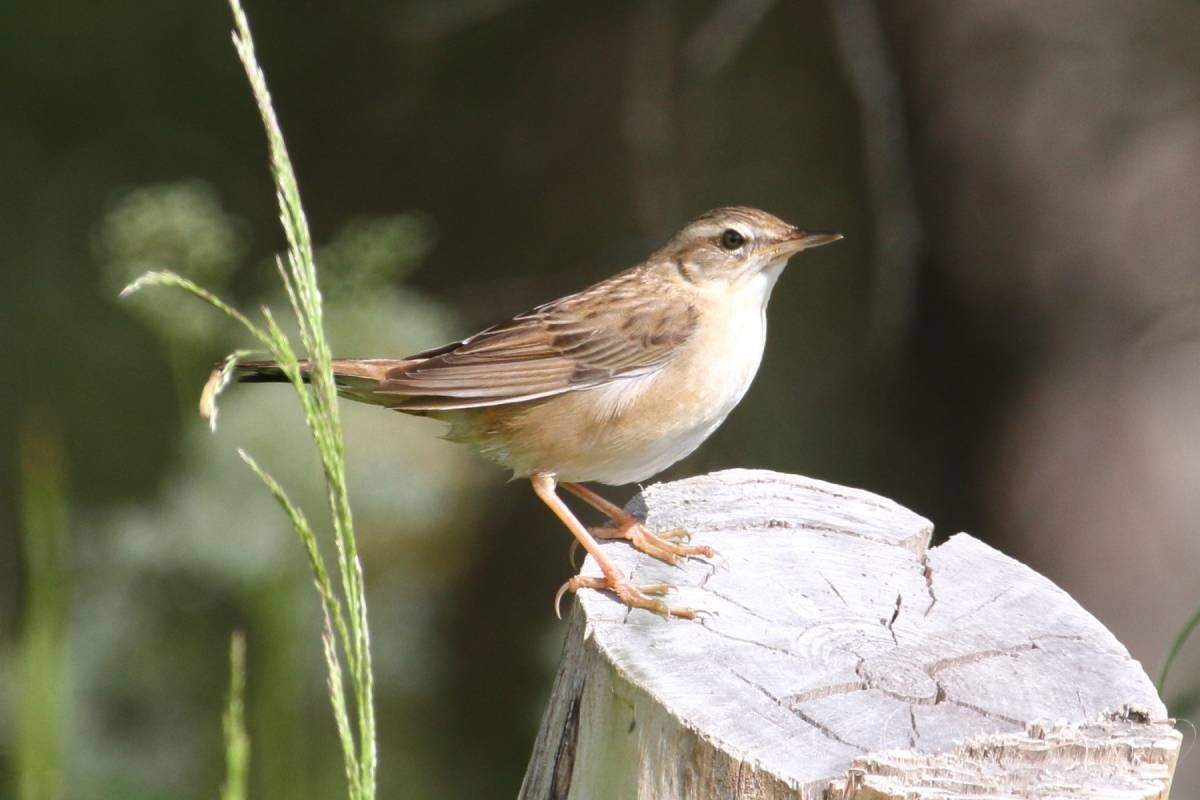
point(356, 378)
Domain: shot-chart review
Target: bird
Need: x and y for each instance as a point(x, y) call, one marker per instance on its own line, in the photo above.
point(610, 385)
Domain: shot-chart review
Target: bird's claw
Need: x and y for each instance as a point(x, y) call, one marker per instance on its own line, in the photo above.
point(676, 534)
point(656, 545)
point(633, 596)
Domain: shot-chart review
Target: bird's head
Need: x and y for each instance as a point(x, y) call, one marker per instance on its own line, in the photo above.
point(736, 243)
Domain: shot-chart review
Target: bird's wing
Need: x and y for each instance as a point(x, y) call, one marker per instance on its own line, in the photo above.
point(612, 331)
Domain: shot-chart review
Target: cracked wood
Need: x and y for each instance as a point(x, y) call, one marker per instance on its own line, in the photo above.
point(830, 636)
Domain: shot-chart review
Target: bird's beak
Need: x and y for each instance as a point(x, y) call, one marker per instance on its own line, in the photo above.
point(803, 240)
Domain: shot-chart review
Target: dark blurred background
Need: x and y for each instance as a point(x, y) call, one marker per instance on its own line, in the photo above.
point(1007, 341)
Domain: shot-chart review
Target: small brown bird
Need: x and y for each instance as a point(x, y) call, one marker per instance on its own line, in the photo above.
point(609, 385)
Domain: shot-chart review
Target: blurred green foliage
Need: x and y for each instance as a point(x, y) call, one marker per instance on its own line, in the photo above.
point(178, 226)
point(212, 500)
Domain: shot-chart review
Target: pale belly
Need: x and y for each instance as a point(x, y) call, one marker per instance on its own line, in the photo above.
point(631, 429)
point(662, 423)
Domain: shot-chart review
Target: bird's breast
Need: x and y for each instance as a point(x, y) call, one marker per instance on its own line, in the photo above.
point(715, 370)
point(643, 425)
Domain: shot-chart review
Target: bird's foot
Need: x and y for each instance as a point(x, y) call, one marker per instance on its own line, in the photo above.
point(645, 596)
point(659, 545)
point(675, 535)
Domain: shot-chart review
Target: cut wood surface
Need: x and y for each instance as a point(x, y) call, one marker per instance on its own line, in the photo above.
point(837, 655)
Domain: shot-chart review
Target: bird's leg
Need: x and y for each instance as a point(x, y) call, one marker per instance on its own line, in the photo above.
point(613, 580)
point(626, 526)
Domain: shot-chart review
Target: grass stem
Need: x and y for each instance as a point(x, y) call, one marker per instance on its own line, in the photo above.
point(345, 633)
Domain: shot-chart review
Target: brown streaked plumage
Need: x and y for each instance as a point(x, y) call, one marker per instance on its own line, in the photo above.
point(612, 384)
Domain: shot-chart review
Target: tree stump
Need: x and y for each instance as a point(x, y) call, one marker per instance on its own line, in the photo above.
point(838, 656)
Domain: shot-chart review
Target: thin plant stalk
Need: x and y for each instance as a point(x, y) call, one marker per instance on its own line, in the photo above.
point(345, 633)
point(42, 653)
point(1180, 638)
point(237, 743)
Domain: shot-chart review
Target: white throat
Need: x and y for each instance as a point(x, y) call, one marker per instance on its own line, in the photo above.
point(760, 284)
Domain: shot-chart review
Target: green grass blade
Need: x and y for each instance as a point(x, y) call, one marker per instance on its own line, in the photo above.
point(237, 743)
point(321, 410)
point(345, 611)
point(167, 278)
point(1177, 645)
point(39, 690)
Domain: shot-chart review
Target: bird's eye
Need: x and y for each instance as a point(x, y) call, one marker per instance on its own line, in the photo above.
point(731, 239)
